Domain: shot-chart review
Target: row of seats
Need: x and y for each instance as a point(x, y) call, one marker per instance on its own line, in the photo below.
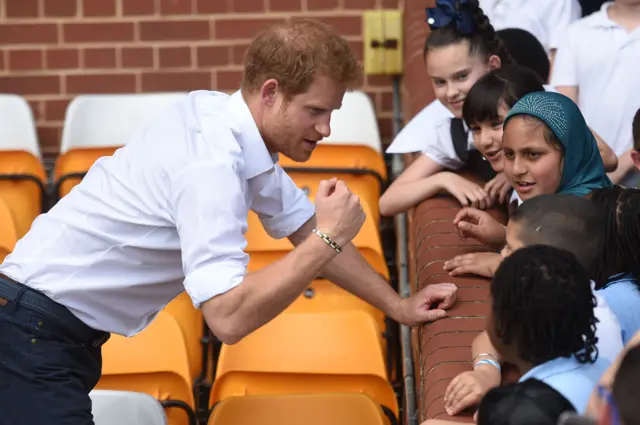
point(327, 342)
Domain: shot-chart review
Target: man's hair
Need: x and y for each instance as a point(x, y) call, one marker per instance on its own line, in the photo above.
point(562, 220)
point(543, 302)
point(295, 52)
point(636, 131)
point(625, 387)
point(620, 252)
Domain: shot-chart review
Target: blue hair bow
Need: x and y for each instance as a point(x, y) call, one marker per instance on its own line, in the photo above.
point(447, 11)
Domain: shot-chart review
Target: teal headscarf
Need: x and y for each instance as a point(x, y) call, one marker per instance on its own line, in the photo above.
point(583, 169)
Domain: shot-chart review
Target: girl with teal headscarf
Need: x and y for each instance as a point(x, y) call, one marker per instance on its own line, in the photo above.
point(542, 121)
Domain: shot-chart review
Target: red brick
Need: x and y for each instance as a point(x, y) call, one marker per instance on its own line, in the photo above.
point(358, 49)
point(49, 137)
point(99, 7)
point(345, 25)
point(378, 80)
point(62, 58)
point(171, 57)
point(385, 126)
point(174, 30)
point(36, 108)
point(137, 57)
point(285, 5)
point(25, 85)
point(138, 7)
point(176, 81)
point(386, 103)
point(22, 8)
point(176, 7)
point(247, 6)
point(213, 55)
point(359, 4)
point(238, 53)
point(213, 6)
point(100, 58)
point(241, 28)
point(54, 110)
point(25, 59)
point(104, 83)
point(322, 4)
point(60, 8)
point(28, 33)
point(390, 4)
point(97, 32)
point(228, 80)
point(2, 60)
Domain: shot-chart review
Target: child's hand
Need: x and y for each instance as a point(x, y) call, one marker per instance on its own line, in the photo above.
point(479, 263)
point(468, 388)
point(479, 225)
point(498, 188)
point(467, 193)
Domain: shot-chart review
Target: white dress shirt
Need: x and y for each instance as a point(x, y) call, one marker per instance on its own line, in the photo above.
point(165, 213)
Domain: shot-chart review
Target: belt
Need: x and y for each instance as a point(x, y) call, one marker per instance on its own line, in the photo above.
point(40, 303)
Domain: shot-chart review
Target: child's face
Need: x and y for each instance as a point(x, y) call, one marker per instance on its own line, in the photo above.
point(454, 71)
point(487, 137)
point(506, 351)
point(513, 241)
point(532, 166)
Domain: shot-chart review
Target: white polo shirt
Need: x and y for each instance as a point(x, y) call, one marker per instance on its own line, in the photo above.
point(429, 132)
point(602, 59)
point(165, 213)
point(547, 20)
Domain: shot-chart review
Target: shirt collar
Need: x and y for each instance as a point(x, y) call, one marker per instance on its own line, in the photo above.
point(257, 159)
point(601, 18)
point(553, 367)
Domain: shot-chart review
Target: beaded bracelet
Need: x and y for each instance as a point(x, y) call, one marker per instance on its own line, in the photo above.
point(488, 361)
point(487, 355)
point(328, 240)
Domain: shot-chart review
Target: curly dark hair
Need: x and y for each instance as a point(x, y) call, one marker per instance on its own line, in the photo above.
point(484, 41)
point(543, 302)
point(620, 252)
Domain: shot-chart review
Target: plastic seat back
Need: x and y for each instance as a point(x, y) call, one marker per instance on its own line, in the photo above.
point(307, 354)
point(8, 232)
point(191, 323)
point(355, 122)
point(153, 362)
point(106, 120)
point(307, 409)
point(72, 166)
point(22, 175)
point(125, 407)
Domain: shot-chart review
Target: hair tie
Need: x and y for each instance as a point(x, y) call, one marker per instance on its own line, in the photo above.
point(447, 11)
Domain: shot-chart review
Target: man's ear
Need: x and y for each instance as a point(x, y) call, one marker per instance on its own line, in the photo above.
point(269, 92)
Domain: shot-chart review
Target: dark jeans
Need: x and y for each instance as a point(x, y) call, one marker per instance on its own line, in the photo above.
point(49, 360)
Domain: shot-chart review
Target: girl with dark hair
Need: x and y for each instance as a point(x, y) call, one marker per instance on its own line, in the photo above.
point(461, 48)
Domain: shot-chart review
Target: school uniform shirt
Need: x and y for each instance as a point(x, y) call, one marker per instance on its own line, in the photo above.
point(623, 296)
point(602, 59)
point(545, 19)
point(608, 328)
point(429, 132)
point(165, 213)
point(575, 381)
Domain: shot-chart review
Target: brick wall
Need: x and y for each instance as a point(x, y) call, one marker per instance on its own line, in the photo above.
point(53, 50)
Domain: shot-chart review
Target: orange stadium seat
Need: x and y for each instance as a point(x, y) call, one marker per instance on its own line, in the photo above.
point(23, 187)
point(8, 232)
point(72, 166)
point(307, 353)
point(307, 409)
point(153, 362)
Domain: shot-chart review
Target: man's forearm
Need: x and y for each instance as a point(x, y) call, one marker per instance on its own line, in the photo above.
point(266, 293)
point(350, 271)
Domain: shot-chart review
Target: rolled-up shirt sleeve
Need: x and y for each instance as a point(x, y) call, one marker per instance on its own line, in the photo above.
point(281, 206)
point(210, 213)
